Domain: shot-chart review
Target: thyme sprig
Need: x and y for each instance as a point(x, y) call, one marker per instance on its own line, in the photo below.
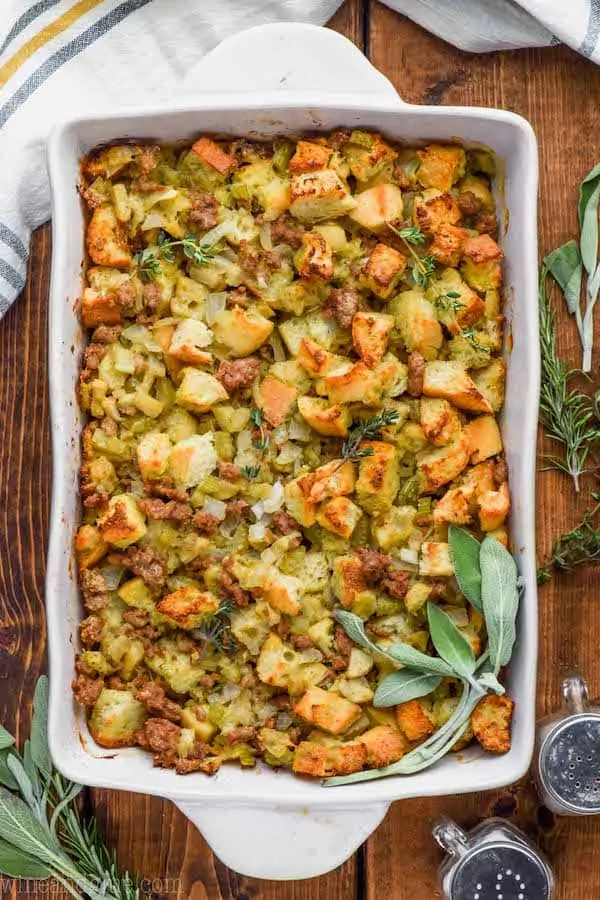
point(470, 335)
point(567, 414)
point(423, 267)
point(250, 472)
point(449, 302)
point(192, 246)
point(260, 443)
point(580, 546)
point(369, 428)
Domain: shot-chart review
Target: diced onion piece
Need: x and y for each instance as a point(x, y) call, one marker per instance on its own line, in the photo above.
point(311, 655)
point(264, 236)
point(257, 531)
point(244, 439)
point(112, 576)
point(275, 499)
point(277, 346)
point(258, 509)
point(154, 219)
point(409, 556)
point(137, 334)
point(215, 508)
point(215, 304)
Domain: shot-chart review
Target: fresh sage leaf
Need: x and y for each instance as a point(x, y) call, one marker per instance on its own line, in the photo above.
point(404, 685)
point(566, 267)
point(22, 778)
point(500, 595)
point(19, 827)
point(464, 552)
point(589, 193)
point(6, 739)
point(16, 864)
point(39, 727)
point(449, 642)
point(6, 777)
point(399, 653)
point(489, 681)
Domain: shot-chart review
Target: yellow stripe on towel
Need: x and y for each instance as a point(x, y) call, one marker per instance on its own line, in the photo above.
point(46, 35)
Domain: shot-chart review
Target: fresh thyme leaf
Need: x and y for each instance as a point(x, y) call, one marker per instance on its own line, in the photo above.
point(410, 234)
point(262, 442)
point(471, 336)
point(250, 472)
point(580, 546)
point(449, 302)
point(423, 270)
point(369, 428)
point(148, 265)
point(423, 267)
point(191, 245)
point(567, 415)
point(256, 417)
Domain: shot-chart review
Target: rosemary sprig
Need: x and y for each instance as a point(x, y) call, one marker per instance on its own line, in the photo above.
point(42, 834)
point(577, 547)
point(193, 248)
point(423, 267)
point(250, 472)
point(369, 428)
point(567, 415)
point(216, 631)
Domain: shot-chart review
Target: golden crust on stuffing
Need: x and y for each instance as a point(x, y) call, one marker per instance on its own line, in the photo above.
point(414, 720)
point(214, 156)
point(491, 721)
point(383, 270)
point(309, 157)
point(327, 710)
point(321, 761)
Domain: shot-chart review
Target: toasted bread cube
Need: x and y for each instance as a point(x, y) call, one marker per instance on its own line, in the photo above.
point(116, 717)
point(192, 460)
point(490, 382)
point(418, 323)
point(378, 205)
point(370, 333)
point(481, 196)
point(313, 358)
point(329, 420)
point(456, 304)
point(367, 153)
point(448, 243)
point(334, 479)
point(327, 710)
point(384, 745)
point(316, 196)
point(440, 421)
point(348, 579)
point(309, 157)
point(378, 477)
point(384, 270)
point(417, 596)
point(106, 242)
point(314, 260)
point(355, 384)
point(455, 507)
point(449, 381)
point(339, 515)
point(282, 592)
point(199, 391)
point(276, 400)
point(494, 507)
point(97, 309)
point(434, 209)
point(214, 156)
point(441, 166)
point(188, 606)
point(153, 454)
point(415, 720)
point(299, 505)
point(109, 160)
point(442, 465)
point(435, 561)
point(123, 523)
point(189, 340)
point(90, 546)
point(480, 478)
point(482, 268)
point(275, 662)
point(483, 437)
point(394, 527)
point(242, 331)
point(320, 761)
point(491, 722)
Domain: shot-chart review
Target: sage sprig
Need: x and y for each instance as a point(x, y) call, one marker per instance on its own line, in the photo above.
point(41, 832)
point(488, 576)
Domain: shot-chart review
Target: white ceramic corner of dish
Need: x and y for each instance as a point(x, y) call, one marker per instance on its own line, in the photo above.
point(296, 78)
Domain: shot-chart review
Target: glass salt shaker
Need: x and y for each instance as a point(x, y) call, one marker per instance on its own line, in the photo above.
point(568, 753)
point(494, 861)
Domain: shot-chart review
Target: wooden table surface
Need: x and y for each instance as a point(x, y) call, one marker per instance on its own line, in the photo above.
point(559, 92)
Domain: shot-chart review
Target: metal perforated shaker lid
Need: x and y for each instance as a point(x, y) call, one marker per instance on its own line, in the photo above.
point(569, 758)
point(492, 863)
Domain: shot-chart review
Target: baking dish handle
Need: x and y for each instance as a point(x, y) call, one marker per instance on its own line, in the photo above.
point(283, 844)
point(292, 58)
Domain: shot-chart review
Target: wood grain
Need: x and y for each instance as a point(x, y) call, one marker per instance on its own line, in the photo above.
point(558, 92)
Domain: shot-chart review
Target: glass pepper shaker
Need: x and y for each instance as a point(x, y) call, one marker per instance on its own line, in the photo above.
point(494, 861)
point(568, 753)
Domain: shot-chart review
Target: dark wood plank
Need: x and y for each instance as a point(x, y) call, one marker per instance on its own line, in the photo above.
point(557, 90)
point(151, 836)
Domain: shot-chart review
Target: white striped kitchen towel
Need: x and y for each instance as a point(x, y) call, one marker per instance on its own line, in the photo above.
point(68, 57)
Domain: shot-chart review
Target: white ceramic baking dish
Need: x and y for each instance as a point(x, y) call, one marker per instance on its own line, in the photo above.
point(295, 78)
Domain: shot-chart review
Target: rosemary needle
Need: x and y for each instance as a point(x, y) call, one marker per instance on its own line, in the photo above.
point(577, 547)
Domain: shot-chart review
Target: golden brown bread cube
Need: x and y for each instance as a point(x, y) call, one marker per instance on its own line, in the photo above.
point(417, 322)
point(314, 358)
point(483, 438)
point(442, 465)
point(340, 515)
point(440, 421)
point(449, 380)
point(491, 721)
point(330, 420)
point(441, 166)
point(356, 384)
point(309, 157)
point(327, 710)
point(311, 758)
point(378, 478)
point(106, 242)
point(370, 334)
point(377, 206)
point(214, 156)
point(98, 309)
point(123, 523)
point(448, 243)
point(188, 606)
point(435, 561)
point(494, 507)
point(316, 196)
point(276, 400)
point(348, 579)
point(90, 546)
point(384, 745)
point(434, 209)
point(314, 260)
point(334, 479)
point(383, 270)
point(414, 720)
